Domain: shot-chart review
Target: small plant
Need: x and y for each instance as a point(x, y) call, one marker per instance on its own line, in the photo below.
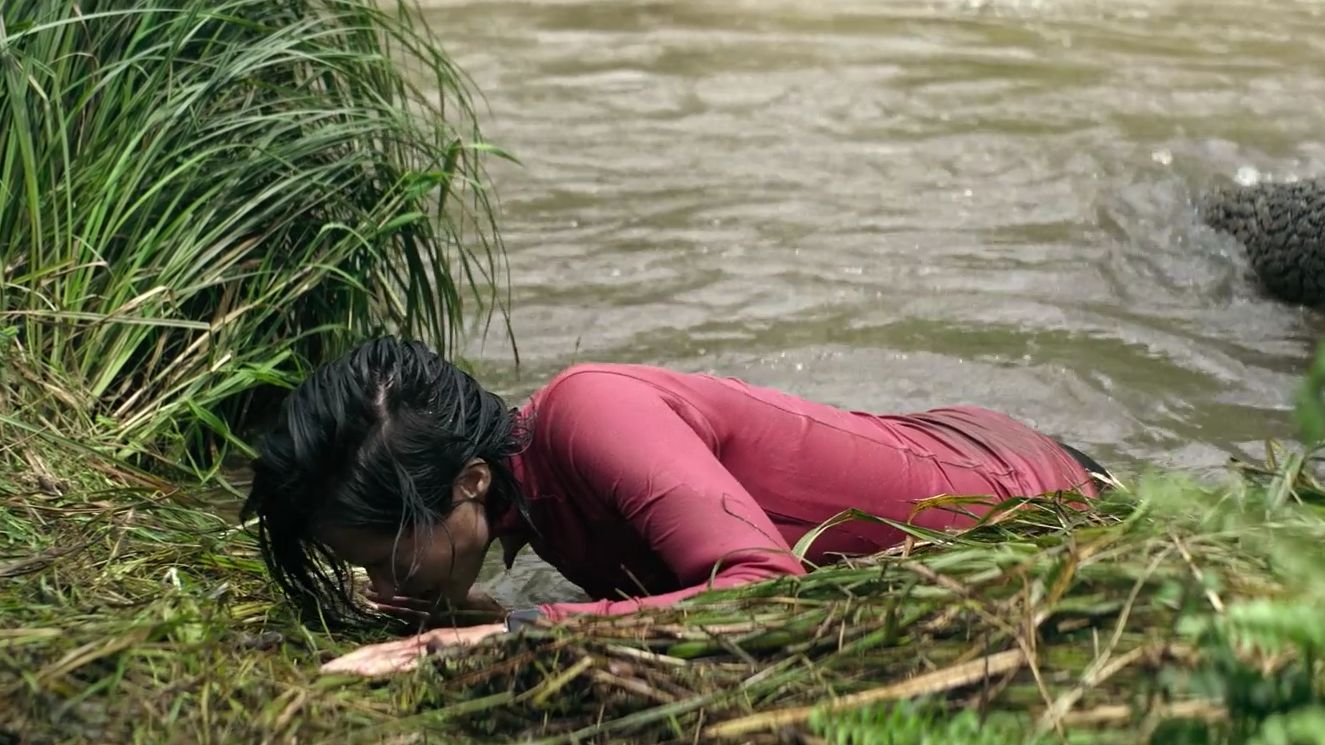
point(921, 722)
point(1261, 656)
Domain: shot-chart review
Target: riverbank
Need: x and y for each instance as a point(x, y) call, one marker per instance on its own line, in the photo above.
point(135, 613)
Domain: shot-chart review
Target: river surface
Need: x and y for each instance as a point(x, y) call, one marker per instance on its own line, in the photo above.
point(897, 205)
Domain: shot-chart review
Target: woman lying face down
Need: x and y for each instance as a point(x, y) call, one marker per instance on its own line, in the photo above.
point(641, 485)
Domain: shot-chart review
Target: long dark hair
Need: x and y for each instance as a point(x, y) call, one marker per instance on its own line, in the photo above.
point(375, 439)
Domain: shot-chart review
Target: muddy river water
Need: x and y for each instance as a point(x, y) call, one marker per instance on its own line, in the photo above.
point(896, 205)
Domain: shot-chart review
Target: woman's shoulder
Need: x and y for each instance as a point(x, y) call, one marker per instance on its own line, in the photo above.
point(587, 377)
point(591, 399)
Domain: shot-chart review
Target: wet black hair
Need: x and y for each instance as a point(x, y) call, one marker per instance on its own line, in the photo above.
point(374, 439)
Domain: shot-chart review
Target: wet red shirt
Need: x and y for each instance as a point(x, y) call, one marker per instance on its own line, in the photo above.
point(641, 480)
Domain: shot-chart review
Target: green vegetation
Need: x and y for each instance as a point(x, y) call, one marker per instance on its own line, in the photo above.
point(199, 200)
point(921, 722)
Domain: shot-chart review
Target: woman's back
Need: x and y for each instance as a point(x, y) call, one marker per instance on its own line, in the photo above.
point(641, 478)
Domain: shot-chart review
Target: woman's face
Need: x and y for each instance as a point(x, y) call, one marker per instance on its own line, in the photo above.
point(437, 562)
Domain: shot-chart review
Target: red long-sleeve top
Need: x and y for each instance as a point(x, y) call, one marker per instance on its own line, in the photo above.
point(642, 480)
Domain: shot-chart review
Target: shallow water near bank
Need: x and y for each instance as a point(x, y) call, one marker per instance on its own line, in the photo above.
point(891, 206)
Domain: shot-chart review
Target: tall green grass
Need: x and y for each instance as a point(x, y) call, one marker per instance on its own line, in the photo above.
point(201, 199)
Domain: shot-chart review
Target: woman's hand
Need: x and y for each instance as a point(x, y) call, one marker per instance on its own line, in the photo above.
point(401, 656)
point(478, 608)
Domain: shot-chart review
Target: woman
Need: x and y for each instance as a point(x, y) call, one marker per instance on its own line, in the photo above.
point(641, 485)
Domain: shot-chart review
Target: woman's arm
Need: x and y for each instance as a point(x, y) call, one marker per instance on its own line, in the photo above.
point(627, 444)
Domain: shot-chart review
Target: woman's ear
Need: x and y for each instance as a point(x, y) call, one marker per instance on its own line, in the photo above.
point(473, 482)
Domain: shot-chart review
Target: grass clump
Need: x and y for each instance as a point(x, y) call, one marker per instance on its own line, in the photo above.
point(200, 200)
point(921, 722)
point(135, 613)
